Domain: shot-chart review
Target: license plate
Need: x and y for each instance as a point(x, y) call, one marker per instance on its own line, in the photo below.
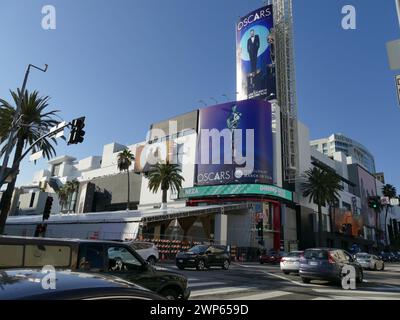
point(180, 260)
point(312, 263)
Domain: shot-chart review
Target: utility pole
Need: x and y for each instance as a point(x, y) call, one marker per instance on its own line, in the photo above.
point(15, 123)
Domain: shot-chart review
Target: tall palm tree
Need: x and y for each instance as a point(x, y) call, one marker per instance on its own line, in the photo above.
point(388, 191)
point(165, 176)
point(321, 187)
point(125, 159)
point(35, 120)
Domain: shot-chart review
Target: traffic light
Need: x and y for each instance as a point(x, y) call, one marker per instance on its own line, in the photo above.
point(374, 202)
point(77, 132)
point(47, 208)
point(260, 231)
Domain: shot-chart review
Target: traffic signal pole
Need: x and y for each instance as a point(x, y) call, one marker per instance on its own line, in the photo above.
point(14, 124)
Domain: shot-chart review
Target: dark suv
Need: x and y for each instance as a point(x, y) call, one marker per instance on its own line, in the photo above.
point(106, 257)
point(327, 264)
point(204, 256)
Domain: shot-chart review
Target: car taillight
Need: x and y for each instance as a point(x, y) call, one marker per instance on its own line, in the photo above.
point(330, 258)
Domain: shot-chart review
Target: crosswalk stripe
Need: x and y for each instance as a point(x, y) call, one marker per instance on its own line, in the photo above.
point(206, 292)
point(202, 284)
point(363, 298)
point(262, 296)
point(354, 292)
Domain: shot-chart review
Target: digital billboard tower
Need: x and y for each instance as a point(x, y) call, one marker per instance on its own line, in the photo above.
point(286, 86)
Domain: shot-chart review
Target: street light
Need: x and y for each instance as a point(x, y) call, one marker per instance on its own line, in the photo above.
point(16, 120)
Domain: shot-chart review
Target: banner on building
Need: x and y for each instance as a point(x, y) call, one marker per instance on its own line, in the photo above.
point(255, 55)
point(235, 144)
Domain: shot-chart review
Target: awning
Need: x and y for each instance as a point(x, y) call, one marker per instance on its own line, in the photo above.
point(176, 213)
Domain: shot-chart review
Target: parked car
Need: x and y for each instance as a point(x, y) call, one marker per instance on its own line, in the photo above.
point(272, 256)
point(387, 256)
point(105, 257)
point(204, 256)
point(27, 285)
point(327, 264)
point(370, 261)
point(290, 262)
point(147, 250)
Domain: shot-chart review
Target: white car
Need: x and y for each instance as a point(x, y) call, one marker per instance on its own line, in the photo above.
point(147, 250)
point(370, 261)
point(290, 262)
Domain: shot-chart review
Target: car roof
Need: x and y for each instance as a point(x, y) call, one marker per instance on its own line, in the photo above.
point(23, 283)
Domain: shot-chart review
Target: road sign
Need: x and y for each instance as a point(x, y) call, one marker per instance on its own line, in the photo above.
point(398, 87)
point(393, 51)
point(36, 156)
point(394, 202)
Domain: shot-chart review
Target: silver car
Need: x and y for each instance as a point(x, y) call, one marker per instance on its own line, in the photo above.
point(370, 261)
point(290, 262)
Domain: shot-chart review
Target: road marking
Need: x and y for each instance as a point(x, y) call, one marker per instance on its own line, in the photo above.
point(202, 284)
point(207, 292)
point(353, 292)
point(193, 279)
point(290, 280)
point(363, 298)
point(322, 298)
point(263, 296)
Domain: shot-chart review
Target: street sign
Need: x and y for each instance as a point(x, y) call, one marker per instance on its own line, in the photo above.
point(385, 201)
point(36, 156)
point(398, 88)
point(393, 51)
point(57, 127)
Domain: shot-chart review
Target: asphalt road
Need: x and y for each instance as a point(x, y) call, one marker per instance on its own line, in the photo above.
point(252, 281)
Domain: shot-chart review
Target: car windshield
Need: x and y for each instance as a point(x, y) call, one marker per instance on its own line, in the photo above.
point(316, 254)
point(198, 249)
point(363, 256)
point(294, 254)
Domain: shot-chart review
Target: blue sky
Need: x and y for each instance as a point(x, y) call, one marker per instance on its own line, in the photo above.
point(125, 64)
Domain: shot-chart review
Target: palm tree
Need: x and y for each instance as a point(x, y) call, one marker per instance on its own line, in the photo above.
point(388, 191)
point(321, 187)
point(165, 176)
point(125, 159)
point(66, 192)
point(35, 120)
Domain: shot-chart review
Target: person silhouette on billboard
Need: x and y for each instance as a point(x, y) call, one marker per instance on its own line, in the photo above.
point(253, 45)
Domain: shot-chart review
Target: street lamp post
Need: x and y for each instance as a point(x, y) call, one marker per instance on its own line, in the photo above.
point(14, 125)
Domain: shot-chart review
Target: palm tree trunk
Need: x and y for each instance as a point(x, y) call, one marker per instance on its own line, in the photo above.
point(7, 195)
point(319, 225)
point(164, 196)
point(129, 191)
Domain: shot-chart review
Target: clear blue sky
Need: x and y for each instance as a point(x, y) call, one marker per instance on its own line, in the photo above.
point(125, 64)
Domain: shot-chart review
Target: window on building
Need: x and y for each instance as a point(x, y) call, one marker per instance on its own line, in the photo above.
point(33, 195)
point(346, 206)
point(56, 170)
